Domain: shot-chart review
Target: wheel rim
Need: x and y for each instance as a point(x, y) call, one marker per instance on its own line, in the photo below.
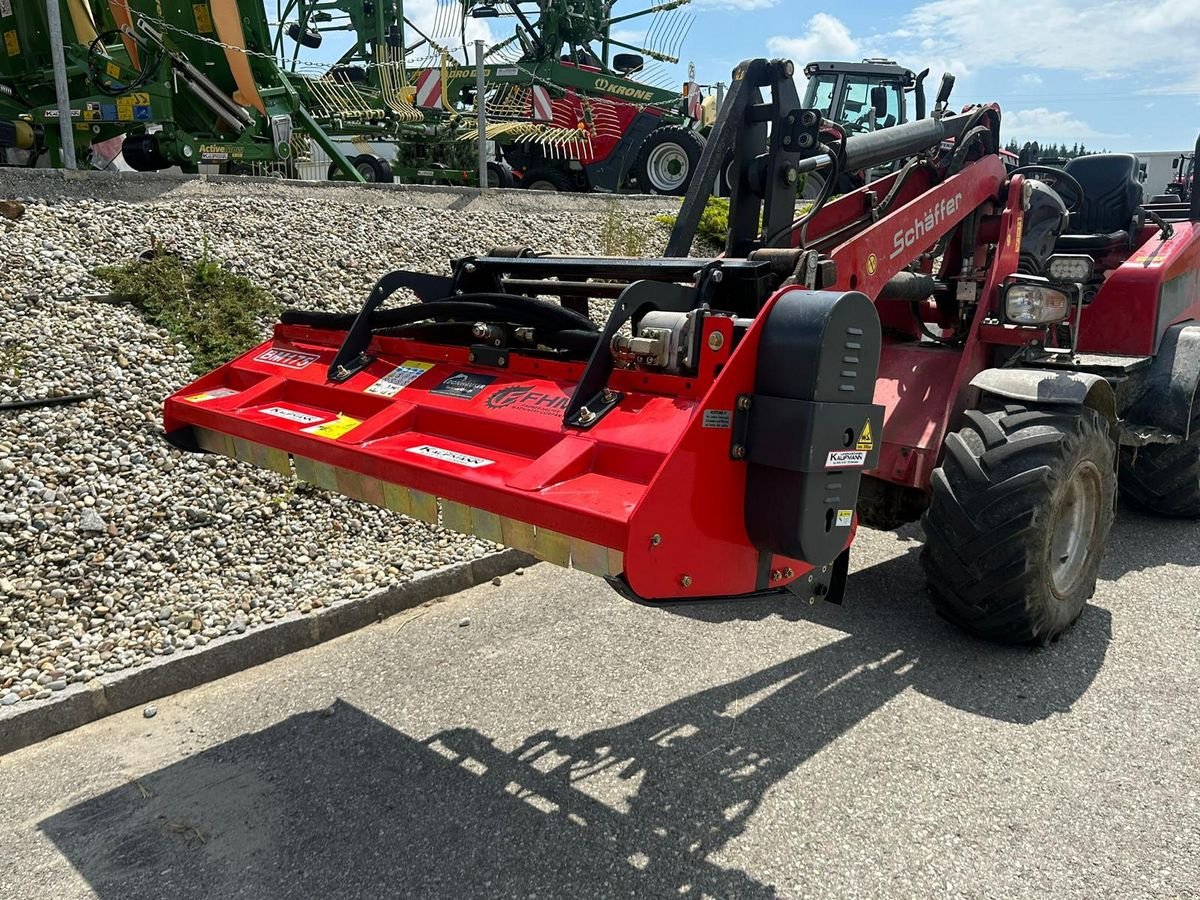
point(367, 171)
point(1075, 522)
point(667, 167)
point(542, 185)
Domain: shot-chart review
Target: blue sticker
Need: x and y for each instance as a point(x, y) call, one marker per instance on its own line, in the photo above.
point(141, 113)
point(108, 112)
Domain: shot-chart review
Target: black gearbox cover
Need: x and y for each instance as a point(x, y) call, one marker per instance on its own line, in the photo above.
point(813, 424)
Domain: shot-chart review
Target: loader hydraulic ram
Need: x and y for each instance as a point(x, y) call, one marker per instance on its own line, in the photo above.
point(980, 348)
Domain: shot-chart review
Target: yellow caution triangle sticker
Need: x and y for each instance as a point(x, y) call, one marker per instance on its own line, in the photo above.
point(866, 440)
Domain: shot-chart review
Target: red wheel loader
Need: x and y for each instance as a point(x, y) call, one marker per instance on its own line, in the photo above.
point(981, 349)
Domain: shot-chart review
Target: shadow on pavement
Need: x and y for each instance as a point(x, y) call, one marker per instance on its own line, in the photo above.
point(339, 804)
point(1141, 540)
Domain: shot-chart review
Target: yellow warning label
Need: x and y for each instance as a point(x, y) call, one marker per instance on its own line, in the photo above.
point(126, 104)
point(335, 429)
point(1150, 258)
point(113, 70)
point(866, 440)
point(214, 394)
point(872, 264)
point(12, 44)
point(203, 18)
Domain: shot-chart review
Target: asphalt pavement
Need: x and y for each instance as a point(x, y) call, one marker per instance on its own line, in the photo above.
point(546, 738)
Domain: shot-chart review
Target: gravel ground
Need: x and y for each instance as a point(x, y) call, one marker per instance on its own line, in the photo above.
point(114, 548)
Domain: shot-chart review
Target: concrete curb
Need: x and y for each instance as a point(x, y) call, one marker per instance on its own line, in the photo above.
point(32, 721)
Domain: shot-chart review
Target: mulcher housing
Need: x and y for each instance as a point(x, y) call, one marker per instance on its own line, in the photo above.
point(955, 340)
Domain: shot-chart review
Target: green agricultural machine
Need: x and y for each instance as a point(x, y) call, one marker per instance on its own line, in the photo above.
point(174, 82)
point(209, 86)
point(562, 106)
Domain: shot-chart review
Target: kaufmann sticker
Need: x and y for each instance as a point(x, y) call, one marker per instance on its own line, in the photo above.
point(846, 459)
point(398, 379)
point(292, 415)
point(450, 456)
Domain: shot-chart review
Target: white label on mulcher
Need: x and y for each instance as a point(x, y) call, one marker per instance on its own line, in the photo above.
point(292, 415)
point(450, 456)
point(846, 459)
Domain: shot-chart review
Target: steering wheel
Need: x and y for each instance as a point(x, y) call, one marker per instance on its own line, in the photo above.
point(1055, 177)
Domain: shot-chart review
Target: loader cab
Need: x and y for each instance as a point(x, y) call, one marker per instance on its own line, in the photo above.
point(866, 96)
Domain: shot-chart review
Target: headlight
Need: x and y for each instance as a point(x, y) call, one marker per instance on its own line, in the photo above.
point(1029, 303)
point(1070, 268)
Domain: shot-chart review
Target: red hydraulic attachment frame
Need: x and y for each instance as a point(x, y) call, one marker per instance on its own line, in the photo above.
point(652, 491)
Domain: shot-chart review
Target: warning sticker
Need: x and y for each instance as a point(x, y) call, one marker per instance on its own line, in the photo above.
point(12, 43)
point(464, 385)
point(846, 459)
point(451, 456)
point(215, 394)
point(866, 440)
point(1150, 258)
point(113, 70)
point(292, 415)
point(399, 378)
point(844, 518)
point(334, 429)
point(718, 418)
point(126, 104)
point(5, 7)
point(289, 359)
point(203, 18)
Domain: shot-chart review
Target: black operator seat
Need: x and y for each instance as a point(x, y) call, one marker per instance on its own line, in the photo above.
point(1110, 208)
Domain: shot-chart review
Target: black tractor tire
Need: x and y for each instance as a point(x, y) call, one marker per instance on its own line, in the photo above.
point(724, 183)
point(547, 178)
point(668, 159)
point(374, 169)
point(500, 175)
point(1021, 509)
point(1164, 478)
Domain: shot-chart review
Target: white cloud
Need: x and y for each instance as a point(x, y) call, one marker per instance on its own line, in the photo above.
point(827, 38)
point(742, 5)
point(1095, 38)
point(1047, 126)
point(442, 23)
point(629, 35)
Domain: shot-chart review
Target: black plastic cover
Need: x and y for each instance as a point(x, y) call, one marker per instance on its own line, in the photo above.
point(813, 424)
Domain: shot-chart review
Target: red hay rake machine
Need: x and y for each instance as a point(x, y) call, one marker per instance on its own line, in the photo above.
point(981, 349)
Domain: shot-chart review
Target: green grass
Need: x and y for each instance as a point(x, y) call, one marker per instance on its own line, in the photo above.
point(619, 236)
point(714, 222)
point(215, 313)
point(11, 357)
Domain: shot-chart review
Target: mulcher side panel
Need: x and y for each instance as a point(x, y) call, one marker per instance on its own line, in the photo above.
point(813, 426)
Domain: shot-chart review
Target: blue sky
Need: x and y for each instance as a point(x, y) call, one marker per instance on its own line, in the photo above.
point(1061, 70)
point(1113, 74)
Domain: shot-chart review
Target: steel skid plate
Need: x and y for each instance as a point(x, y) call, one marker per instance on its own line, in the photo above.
point(650, 493)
